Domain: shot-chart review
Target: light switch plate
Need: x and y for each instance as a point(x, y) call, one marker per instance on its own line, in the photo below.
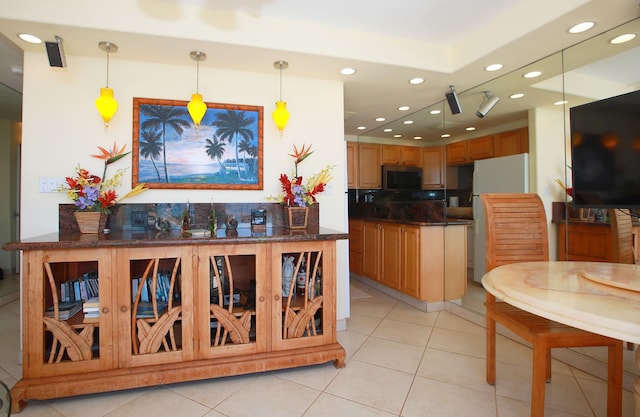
point(50, 184)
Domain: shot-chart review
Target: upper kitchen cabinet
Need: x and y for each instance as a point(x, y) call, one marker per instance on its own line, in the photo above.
point(369, 157)
point(512, 142)
point(352, 162)
point(481, 148)
point(457, 153)
point(400, 155)
point(432, 162)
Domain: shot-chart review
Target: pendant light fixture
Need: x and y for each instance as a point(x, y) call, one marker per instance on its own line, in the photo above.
point(196, 106)
point(281, 114)
point(106, 104)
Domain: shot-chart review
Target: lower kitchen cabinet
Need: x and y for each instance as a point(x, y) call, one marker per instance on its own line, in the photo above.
point(425, 262)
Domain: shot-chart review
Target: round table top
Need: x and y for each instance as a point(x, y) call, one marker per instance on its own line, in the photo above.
point(599, 297)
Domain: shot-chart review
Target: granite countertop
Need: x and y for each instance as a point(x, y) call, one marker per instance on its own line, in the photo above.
point(171, 238)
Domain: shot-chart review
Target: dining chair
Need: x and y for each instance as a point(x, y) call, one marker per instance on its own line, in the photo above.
point(516, 231)
point(621, 236)
point(622, 250)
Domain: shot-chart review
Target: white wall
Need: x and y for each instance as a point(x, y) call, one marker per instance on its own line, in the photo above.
point(61, 128)
point(547, 148)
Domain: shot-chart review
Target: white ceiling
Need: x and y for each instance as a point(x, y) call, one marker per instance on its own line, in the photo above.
point(446, 42)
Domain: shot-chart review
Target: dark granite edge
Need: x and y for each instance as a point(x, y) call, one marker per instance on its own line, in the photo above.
point(120, 240)
point(452, 222)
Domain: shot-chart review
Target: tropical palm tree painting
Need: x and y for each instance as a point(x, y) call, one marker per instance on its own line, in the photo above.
point(170, 152)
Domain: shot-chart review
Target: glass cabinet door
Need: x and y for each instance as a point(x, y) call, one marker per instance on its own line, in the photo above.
point(155, 305)
point(64, 336)
point(303, 311)
point(230, 293)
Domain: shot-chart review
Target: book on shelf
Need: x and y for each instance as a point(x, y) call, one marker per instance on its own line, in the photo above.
point(145, 310)
point(66, 309)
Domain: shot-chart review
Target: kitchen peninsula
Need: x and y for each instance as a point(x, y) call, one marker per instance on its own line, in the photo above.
point(173, 307)
point(410, 250)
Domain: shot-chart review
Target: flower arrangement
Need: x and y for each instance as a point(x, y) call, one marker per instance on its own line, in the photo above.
point(296, 192)
point(92, 193)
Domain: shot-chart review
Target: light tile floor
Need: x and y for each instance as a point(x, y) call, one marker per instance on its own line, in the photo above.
point(400, 362)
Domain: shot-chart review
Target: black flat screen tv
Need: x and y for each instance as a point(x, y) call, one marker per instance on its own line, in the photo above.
point(605, 152)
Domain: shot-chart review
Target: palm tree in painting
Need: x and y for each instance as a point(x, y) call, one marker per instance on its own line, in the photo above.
point(247, 148)
point(233, 125)
point(159, 118)
point(150, 147)
point(215, 149)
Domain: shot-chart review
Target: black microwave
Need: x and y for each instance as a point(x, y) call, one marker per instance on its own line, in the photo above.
point(401, 178)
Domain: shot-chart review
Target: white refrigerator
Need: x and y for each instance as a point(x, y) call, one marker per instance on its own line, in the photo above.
point(507, 174)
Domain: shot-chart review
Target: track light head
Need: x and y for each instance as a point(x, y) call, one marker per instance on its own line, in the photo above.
point(487, 104)
point(452, 99)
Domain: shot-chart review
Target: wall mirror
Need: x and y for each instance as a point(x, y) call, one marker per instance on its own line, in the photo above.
point(591, 70)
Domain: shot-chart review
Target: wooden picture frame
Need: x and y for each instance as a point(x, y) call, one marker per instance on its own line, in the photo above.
point(224, 153)
point(584, 215)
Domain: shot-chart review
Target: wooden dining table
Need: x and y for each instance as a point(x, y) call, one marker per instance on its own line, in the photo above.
point(599, 297)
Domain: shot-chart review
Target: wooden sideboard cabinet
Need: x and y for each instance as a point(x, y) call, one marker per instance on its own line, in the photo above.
point(589, 241)
point(174, 310)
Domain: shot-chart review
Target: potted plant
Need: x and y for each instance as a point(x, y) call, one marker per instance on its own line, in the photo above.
point(94, 196)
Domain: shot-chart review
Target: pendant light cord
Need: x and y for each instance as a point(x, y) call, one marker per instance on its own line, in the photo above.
point(108, 50)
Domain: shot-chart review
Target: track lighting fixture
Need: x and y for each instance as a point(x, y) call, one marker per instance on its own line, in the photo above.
point(55, 53)
point(487, 104)
point(452, 99)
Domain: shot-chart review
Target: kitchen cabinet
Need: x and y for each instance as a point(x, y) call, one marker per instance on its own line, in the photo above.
point(371, 261)
point(400, 155)
point(369, 162)
point(172, 311)
point(352, 165)
point(480, 148)
point(425, 262)
point(457, 153)
point(512, 142)
point(432, 162)
point(355, 246)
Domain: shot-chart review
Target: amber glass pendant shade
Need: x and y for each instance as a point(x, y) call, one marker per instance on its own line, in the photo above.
point(197, 108)
point(281, 115)
point(106, 104)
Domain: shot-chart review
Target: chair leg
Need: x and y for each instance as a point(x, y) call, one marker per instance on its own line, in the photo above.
point(538, 382)
point(614, 380)
point(491, 350)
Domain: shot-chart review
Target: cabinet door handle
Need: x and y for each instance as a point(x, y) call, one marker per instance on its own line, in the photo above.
point(261, 299)
point(105, 310)
point(123, 309)
point(277, 297)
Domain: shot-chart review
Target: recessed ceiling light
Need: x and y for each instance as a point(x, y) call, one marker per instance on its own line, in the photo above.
point(387, 130)
point(436, 111)
point(581, 27)
point(408, 122)
point(493, 67)
point(29, 38)
point(361, 127)
point(397, 136)
point(417, 137)
point(445, 135)
point(416, 81)
point(470, 129)
point(560, 103)
point(347, 71)
point(516, 95)
point(404, 108)
point(380, 119)
point(622, 38)
point(532, 74)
